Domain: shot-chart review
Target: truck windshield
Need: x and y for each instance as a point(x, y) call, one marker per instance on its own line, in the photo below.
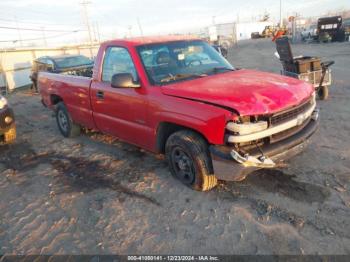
point(181, 60)
point(72, 61)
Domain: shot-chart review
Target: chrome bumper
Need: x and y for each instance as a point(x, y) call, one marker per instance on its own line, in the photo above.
point(230, 166)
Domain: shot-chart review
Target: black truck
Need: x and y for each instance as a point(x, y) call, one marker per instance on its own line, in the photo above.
point(330, 29)
point(64, 64)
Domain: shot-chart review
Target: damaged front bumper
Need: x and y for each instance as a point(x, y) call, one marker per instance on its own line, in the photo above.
point(229, 165)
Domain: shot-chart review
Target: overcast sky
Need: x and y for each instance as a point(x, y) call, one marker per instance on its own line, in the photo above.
point(118, 18)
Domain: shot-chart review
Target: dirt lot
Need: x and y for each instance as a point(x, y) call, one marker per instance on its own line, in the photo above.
point(96, 195)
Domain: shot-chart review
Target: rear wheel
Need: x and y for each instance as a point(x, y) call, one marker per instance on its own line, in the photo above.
point(189, 160)
point(323, 92)
point(65, 123)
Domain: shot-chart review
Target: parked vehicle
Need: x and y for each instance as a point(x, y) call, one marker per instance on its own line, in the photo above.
point(7, 123)
point(78, 65)
point(346, 28)
point(222, 50)
point(330, 29)
point(179, 97)
point(309, 33)
point(255, 35)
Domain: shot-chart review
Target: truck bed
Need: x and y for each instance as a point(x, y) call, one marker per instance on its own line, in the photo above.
point(73, 90)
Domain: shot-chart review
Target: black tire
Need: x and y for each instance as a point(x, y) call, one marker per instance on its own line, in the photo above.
point(189, 160)
point(65, 123)
point(323, 93)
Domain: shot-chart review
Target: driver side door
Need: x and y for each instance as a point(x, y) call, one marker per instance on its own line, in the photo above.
point(121, 112)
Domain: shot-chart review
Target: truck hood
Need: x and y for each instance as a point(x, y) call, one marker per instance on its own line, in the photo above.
point(247, 91)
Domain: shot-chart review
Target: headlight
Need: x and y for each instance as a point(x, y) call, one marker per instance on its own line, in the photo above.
point(3, 102)
point(247, 128)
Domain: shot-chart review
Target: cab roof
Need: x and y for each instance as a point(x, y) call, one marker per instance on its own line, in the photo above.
point(136, 41)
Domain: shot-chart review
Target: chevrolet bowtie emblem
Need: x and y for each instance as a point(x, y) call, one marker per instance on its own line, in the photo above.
point(300, 119)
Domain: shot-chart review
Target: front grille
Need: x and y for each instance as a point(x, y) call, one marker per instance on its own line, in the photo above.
point(289, 132)
point(4, 113)
point(289, 114)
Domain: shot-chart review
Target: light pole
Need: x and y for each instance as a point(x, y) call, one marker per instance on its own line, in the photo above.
point(281, 21)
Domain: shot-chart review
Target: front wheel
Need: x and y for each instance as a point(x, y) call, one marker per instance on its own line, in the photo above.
point(189, 160)
point(323, 92)
point(65, 123)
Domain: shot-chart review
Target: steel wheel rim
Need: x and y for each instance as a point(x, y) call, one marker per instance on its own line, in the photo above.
point(183, 165)
point(62, 120)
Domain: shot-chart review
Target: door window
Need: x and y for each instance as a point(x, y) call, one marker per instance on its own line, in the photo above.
point(117, 60)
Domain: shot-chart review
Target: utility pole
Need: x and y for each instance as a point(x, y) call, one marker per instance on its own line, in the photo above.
point(98, 32)
point(294, 28)
point(19, 32)
point(84, 5)
point(129, 30)
point(44, 35)
point(140, 27)
point(94, 31)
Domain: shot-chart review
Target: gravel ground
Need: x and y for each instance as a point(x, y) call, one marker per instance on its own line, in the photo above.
point(97, 195)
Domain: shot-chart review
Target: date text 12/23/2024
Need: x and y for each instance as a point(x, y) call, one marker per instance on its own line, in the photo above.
point(173, 258)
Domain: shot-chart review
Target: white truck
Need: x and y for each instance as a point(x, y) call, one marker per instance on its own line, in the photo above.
point(310, 33)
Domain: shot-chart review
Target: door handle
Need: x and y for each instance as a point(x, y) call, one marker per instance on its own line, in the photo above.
point(100, 94)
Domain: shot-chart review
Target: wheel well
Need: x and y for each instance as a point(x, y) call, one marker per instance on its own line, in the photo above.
point(55, 99)
point(166, 129)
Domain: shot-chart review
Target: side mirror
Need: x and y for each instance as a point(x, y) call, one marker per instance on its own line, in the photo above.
point(124, 80)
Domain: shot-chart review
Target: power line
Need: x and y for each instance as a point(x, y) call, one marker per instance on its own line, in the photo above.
point(26, 11)
point(21, 21)
point(33, 29)
point(33, 39)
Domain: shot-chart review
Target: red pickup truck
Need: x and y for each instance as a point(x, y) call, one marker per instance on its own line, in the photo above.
point(178, 96)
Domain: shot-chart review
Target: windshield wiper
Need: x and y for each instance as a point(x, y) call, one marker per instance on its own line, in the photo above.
point(180, 76)
point(219, 69)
